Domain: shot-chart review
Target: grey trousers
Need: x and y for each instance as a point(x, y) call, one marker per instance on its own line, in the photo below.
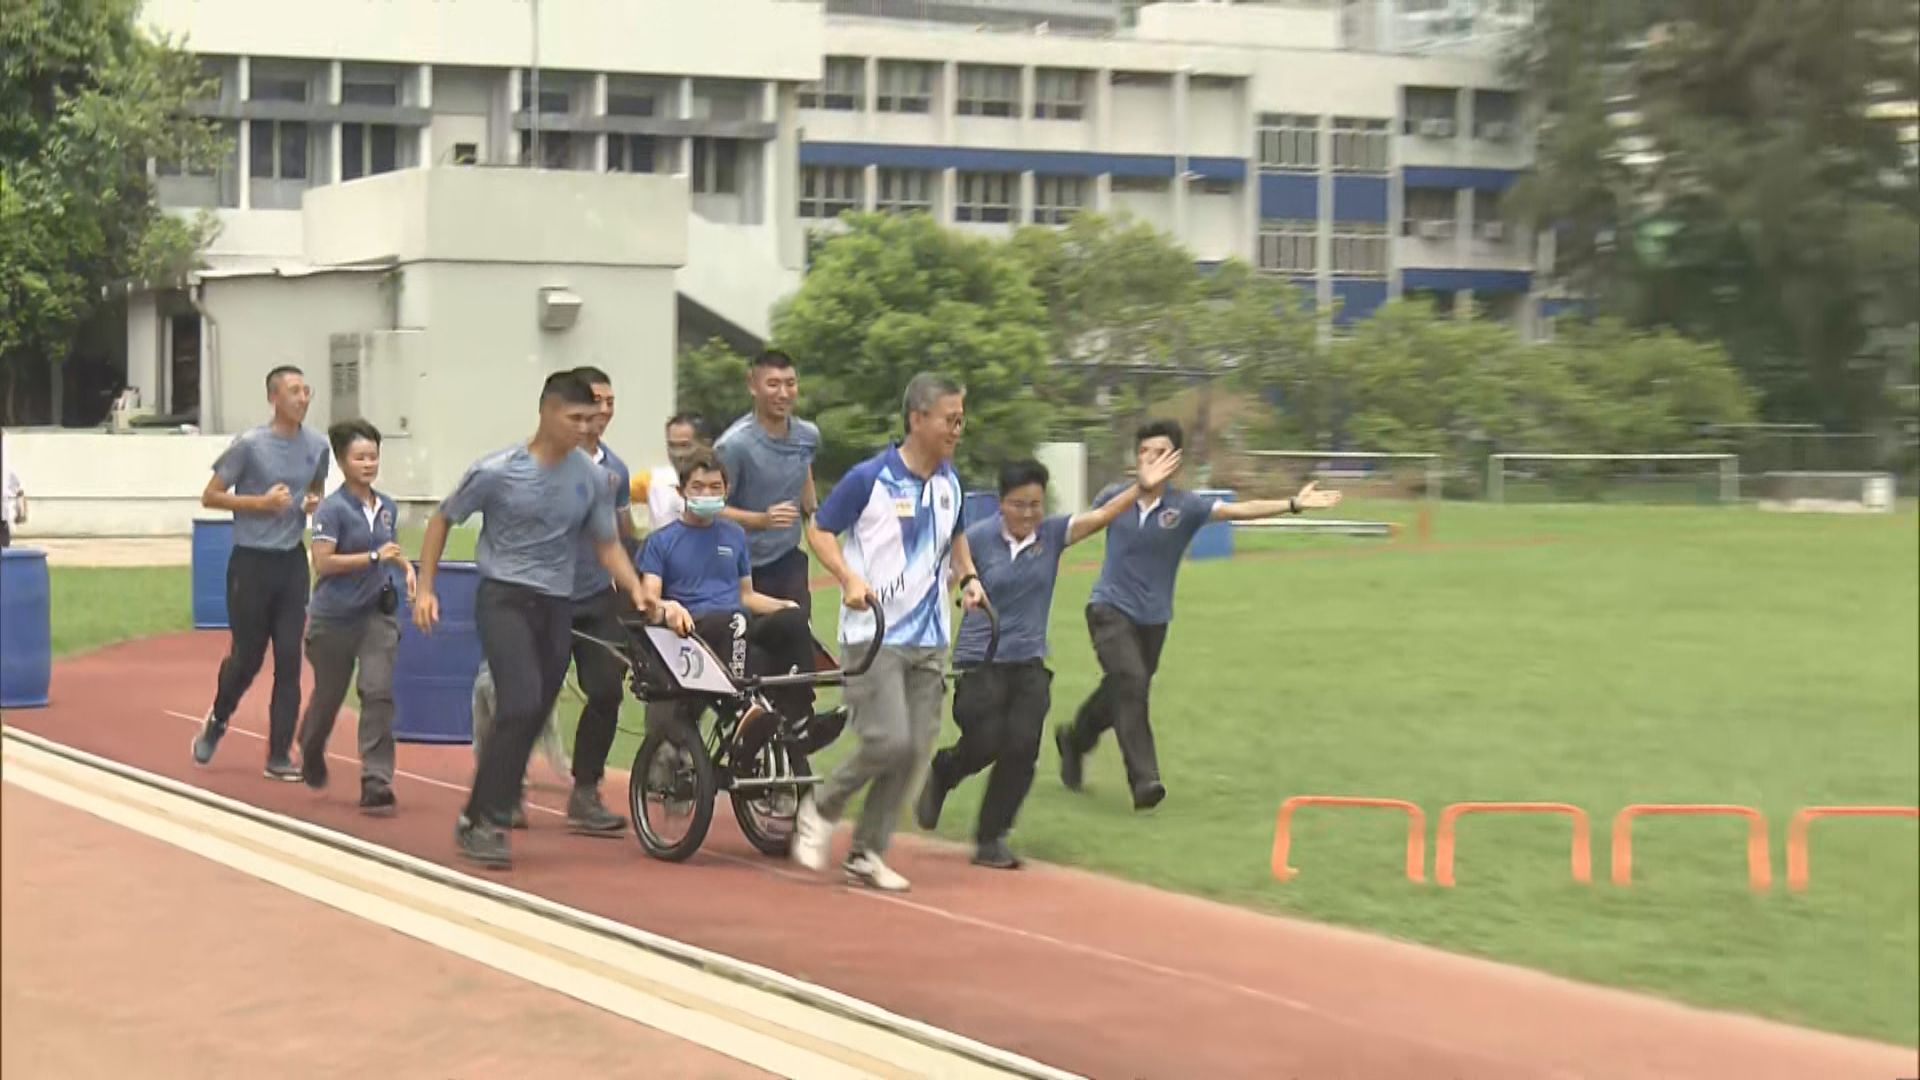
point(335, 648)
point(895, 710)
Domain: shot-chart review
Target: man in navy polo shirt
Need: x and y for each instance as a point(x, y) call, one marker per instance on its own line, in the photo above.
point(1001, 705)
point(360, 572)
point(1132, 603)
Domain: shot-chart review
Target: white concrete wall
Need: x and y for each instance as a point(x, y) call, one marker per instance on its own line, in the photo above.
point(1067, 475)
point(1215, 229)
point(670, 37)
point(260, 323)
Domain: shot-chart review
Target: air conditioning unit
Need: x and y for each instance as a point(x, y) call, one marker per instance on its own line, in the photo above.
point(1436, 128)
point(1436, 230)
point(1496, 131)
point(346, 363)
point(1493, 230)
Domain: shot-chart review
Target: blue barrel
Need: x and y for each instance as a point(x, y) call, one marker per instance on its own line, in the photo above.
point(433, 673)
point(212, 545)
point(1215, 538)
point(26, 629)
point(981, 505)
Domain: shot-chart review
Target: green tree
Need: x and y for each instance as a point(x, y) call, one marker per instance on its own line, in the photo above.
point(1748, 195)
point(896, 295)
point(86, 98)
point(712, 381)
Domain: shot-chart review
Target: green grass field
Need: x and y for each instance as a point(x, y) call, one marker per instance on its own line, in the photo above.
point(1592, 655)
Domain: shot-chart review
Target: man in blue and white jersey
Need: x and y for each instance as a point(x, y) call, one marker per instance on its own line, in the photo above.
point(900, 511)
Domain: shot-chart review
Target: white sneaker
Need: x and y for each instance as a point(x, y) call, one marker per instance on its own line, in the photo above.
point(865, 868)
point(812, 836)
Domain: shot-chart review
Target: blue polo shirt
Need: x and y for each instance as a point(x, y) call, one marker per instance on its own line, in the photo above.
point(1144, 551)
point(899, 531)
point(1019, 579)
point(589, 577)
point(699, 566)
point(344, 521)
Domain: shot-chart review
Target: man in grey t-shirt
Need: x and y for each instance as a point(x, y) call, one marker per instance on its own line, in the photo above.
point(768, 455)
point(536, 499)
point(270, 478)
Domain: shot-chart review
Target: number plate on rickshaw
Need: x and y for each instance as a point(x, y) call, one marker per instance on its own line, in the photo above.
point(691, 663)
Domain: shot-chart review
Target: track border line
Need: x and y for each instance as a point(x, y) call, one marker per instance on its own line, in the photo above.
point(712, 963)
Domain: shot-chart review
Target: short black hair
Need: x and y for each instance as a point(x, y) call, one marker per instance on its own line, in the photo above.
point(701, 433)
point(703, 459)
point(1018, 474)
point(342, 435)
point(1159, 429)
point(593, 376)
point(284, 369)
point(569, 387)
point(774, 358)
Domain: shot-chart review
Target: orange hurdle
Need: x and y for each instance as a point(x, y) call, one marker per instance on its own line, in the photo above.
point(1416, 830)
point(1797, 833)
point(1443, 836)
point(1759, 858)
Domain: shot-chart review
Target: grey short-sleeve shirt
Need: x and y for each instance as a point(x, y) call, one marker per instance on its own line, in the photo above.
point(532, 516)
point(258, 459)
point(763, 470)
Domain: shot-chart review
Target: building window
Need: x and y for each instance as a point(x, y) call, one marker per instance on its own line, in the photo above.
point(369, 88)
point(266, 84)
point(466, 153)
point(1059, 94)
point(558, 101)
point(1359, 145)
point(906, 86)
point(1057, 198)
point(1288, 141)
point(1429, 112)
point(202, 185)
point(556, 149)
point(716, 166)
point(1288, 247)
point(827, 192)
point(986, 197)
point(279, 150)
point(1211, 185)
point(843, 89)
point(631, 153)
point(1487, 221)
point(629, 104)
point(1359, 249)
point(368, 150)
point(1139, 185)
point(1494, 115)
point(1430, 213)
point(905, 191)
point(988, 91)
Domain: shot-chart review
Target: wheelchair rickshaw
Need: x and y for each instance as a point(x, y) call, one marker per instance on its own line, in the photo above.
point(716, 732)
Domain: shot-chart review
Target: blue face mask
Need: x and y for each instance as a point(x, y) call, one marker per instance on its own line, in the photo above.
point(706, 506)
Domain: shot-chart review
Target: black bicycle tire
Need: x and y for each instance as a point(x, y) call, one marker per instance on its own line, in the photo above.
point(705, 787)
point(777, 847)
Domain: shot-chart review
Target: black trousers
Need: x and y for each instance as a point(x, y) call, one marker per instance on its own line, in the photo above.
point(266, 604)
point(524, 636)
point(1001, 709)
point(785, 578)
point(1129, 654)
point(773, 644)
point(602, 679)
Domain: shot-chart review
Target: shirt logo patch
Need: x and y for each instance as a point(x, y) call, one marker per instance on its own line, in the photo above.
point(724, 551)
point(386, 520)
point(903, 507)
point(1169, 518)
point(580, 490)
point(946, 501)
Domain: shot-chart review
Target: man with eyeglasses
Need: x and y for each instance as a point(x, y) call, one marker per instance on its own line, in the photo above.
point(1001, 705)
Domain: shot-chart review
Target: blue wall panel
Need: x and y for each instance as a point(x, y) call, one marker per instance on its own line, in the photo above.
point(1441, 176)
point(1357, 299)
point(1290, 195)
point(1359, 198)
point(1480, 281)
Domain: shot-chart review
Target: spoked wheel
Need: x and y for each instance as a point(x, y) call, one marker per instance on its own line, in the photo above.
point(670, 790)
point(766, 814)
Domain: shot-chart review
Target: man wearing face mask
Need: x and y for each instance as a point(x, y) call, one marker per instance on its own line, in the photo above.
point(699, 572)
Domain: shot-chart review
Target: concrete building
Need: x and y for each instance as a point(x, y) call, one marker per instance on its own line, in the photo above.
point(411, 181)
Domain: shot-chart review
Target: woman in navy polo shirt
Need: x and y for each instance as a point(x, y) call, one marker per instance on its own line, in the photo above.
point(350, 620)
point(1001, 706)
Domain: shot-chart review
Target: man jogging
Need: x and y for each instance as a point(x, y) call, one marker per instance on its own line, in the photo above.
point(1001, 704)
point(1132, 603)
point(536, 501)
point(768, 455)
point(901, 510)
point(361, 574)
point(270, 478)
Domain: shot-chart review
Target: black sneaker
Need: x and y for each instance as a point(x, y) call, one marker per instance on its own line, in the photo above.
point(205, 743)
point(313, 771)
point(588, 816)
point(483, 844)
point(376, 798)
point(283, 768)
point(1070, 762)
point(1148, 795)
point(995, 854)
point(926, 809)
point(823, 728)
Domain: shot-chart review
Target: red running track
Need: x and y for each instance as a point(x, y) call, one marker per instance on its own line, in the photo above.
point(1090, 974)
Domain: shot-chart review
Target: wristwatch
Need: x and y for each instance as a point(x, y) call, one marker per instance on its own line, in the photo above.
point(373, 557)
